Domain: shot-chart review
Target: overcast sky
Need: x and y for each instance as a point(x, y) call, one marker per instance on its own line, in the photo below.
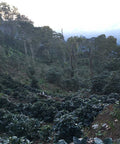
point(71, 15)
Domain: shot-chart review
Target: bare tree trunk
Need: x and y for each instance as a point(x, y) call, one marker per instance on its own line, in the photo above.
point(72, 63)
point(32, 52)
point(72, 67)
point(26, 53)
point(25, 47)
point(90, 62)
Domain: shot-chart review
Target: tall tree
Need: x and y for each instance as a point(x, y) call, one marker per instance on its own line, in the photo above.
point(8, 12)
point(72, 49)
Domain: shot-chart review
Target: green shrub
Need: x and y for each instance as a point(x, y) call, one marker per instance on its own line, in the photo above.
point(98, 84)
point(34, 83)
point(113, 86)
point(106, 83)
point(3, 122)
point(113, 64)
point(19, 125)
point(14, 140)
point(87, 113)
point(30, 71)
point(70, 84)
point(53, 76)
point(66, 127)
point(45, 132)
point(6, 104)
point(43, 111)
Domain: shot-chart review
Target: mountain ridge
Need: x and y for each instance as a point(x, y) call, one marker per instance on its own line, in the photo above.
point(86, 34)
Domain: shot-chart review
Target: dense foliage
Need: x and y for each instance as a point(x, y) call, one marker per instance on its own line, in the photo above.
point(30, 119)
point(51, 89)
point(63, 63)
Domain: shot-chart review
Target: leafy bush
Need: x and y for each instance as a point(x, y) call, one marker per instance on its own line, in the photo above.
point(106, 83)
point(19, 125)
point(60, 113)
point(87, 113)
point(2, 123)
point(66, 127)
point(14, 140)
point(30, 71)
point(53, 76)
point(113, 84)
point(70, 84)
point(98, 83)
point(17, 90)
point(34, 83)
point(113, 64)
point(6, 104)
point(45, 132)
point(43, 111)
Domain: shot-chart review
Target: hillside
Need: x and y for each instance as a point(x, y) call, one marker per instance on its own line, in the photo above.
point(52, 89)
point(107, 122)
point(28, 112)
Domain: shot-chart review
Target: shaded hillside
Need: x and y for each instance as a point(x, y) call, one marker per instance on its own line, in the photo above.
point(48, 118)
point(108, 123)
point(65, 64)
point(52, 89)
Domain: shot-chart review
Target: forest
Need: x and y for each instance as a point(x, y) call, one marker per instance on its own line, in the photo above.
point(56, 91)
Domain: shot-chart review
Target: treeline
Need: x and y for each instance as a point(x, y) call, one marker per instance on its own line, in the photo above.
point(41, 50)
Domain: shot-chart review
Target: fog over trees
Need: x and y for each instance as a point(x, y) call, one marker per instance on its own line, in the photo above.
point(53, 88)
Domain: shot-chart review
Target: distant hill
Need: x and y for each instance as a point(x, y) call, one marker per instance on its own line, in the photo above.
point(115, 33)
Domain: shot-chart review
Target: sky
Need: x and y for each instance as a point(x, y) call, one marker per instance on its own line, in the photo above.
point(71, 15)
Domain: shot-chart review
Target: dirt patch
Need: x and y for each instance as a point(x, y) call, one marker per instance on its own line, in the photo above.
point(107, 124)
